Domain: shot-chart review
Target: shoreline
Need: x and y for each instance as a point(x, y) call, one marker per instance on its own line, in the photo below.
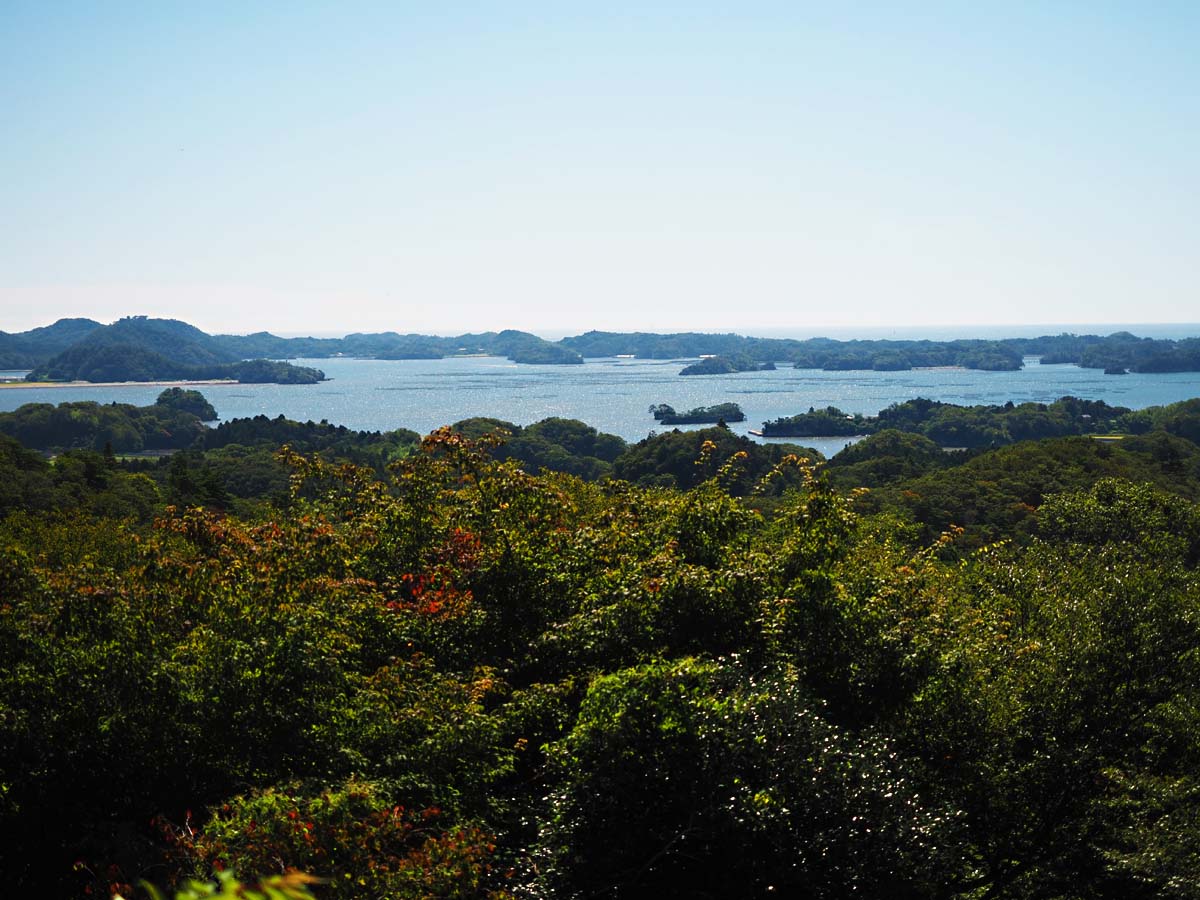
point(18, 385)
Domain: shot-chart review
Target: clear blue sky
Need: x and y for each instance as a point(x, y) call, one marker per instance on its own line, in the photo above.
point(558, 167)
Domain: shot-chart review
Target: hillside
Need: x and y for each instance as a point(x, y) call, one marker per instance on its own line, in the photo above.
point(30, 348)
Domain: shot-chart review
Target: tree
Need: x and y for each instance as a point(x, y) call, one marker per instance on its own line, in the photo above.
point(187, 401)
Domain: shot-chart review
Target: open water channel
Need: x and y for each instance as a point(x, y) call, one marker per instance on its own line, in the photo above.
point(614, 395)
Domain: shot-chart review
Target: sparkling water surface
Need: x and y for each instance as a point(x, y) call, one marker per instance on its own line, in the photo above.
point(614, 395)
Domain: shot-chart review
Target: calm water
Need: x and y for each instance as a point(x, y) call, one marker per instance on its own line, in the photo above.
point(614, 394)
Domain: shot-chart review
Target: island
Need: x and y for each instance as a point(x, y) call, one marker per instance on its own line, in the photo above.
point(701, 415)
point(726, 365)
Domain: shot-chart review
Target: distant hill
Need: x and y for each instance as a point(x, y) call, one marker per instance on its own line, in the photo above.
point(144, 349)
point(1089, 351)
point(30, 348)
point(140, 348)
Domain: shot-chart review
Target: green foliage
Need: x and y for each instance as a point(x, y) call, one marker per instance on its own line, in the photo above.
point(445, 676)
point(78, 480)
point(961, 426)
point(187, 401)
point(830, 422)
point(1164, 527)
point(25, 479)
point(364, 845)
point(120, 427)
point(997, 494)
point(675, 460)
point(290, 886)
point(370, 448)
point(563, 445)
point(886, 457)
point(1182, 419)
point(741, 787)
point(1074, 690)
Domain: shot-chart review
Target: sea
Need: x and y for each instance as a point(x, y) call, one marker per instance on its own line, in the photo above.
point(614, 395)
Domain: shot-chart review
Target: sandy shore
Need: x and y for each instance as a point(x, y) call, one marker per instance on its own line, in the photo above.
point(16, 385)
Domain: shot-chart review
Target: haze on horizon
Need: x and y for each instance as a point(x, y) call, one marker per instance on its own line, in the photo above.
point(786, 167)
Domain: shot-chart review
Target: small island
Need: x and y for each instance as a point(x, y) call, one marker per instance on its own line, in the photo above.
point(701, 415)
point(727, 365)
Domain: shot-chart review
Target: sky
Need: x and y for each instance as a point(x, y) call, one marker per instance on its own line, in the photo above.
point(419, 167)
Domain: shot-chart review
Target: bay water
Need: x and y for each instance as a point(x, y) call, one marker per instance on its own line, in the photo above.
point(614, 395)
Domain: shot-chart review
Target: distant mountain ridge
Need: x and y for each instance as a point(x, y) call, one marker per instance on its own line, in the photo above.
point(139, 348)
point(1089, 351)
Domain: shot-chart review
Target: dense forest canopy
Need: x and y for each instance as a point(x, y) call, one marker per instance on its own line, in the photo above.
point(536, 661)
point(986, 425)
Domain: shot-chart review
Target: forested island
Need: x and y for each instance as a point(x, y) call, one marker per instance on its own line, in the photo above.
point(138, 348)
point(700, 415)
point(726, 365)
point(520, 661)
